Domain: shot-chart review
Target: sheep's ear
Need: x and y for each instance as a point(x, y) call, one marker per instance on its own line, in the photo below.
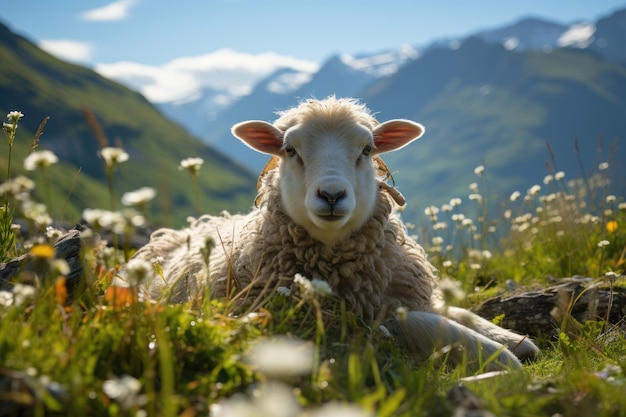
point(395, 134)
point(259, 135)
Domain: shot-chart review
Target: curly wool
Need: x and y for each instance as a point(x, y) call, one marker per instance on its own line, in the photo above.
point(376, 270)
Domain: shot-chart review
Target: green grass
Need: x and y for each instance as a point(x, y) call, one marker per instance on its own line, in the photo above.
point(103, 351)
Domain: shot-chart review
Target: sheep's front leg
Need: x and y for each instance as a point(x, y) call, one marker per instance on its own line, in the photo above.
point(425, 333)
point(522, 346)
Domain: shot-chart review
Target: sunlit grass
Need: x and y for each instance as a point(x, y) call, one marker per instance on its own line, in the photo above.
point(104, 350)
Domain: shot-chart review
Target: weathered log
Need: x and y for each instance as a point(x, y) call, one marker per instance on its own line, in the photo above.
point(539, 312)
point(66, 247)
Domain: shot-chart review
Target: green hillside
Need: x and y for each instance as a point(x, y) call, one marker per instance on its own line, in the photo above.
point(39, 85)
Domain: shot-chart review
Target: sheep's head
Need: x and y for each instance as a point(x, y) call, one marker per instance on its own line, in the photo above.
point(327, 172)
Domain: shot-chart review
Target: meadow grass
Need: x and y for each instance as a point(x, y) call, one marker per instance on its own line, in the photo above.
point(102, 350)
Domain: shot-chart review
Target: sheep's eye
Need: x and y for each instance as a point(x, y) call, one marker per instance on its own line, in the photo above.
point(367, 150)
point(290, 150)
point(291, 153)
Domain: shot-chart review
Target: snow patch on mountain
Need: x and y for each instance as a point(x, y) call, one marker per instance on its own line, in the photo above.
point(381, 64)
point(287, 82)
point(579, 35)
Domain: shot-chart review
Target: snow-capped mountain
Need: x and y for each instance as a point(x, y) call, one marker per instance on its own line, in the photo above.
point(212, 112)
point(528, 33)
point(340, 74)
point(346, 74)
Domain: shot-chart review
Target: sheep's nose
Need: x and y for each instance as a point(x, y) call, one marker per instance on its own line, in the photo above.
point(332, 196)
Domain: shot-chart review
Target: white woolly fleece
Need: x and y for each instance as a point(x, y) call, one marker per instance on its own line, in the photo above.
point(376, 270)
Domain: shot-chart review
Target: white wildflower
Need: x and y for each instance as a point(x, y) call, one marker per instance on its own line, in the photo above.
point(534, 190)
point(138, 271)
point(622, 206)
point(467, 222)
point(113, 155)
point(281, 357)
point(191, 164)
point(138, 197)
point(23, 293)
point(92, 216)
point(603, 166)
point(450, 290)
point(52, 234)
point(437, 241)
point(270, 398)
point(447, 263)
point(60, 266)
point(473, 187)
point(431, 211)
point(479, 170)
point(40, 159)
point(459, 217)
point(610, 199)
point(134, 218)
point(440, 226)
point(314, 288)
point(476, 197)
point(303, 282)
point(548, 179)
point(20, 187)
point(14, 116)
point(125, 391)
point(99, 218)
point(446, 208)
point(6, 298)
point(37, 212)
point(559, 175)
point(603, 243)
point(611, 276)
point(454, 202)
point(515, 195)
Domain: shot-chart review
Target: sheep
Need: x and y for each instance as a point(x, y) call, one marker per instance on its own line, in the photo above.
point(325, 211)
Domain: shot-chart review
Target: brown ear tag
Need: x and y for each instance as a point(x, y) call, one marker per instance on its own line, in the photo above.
point(271, 164)
point(383, 174)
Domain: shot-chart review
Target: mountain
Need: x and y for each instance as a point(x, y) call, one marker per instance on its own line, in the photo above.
point(528, 33)
point(608, 39)
point(484, 104)
point(199, 110)
point(39, 85)
point(498, 98)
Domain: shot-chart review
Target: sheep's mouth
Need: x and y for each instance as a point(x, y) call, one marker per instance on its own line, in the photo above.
point(330, 217)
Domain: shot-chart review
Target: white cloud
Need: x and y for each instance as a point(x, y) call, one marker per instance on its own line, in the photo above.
point(118, 10)
point(67, 49)
point(226, 70)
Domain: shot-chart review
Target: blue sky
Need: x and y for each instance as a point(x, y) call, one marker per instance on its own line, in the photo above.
point(137, 40)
